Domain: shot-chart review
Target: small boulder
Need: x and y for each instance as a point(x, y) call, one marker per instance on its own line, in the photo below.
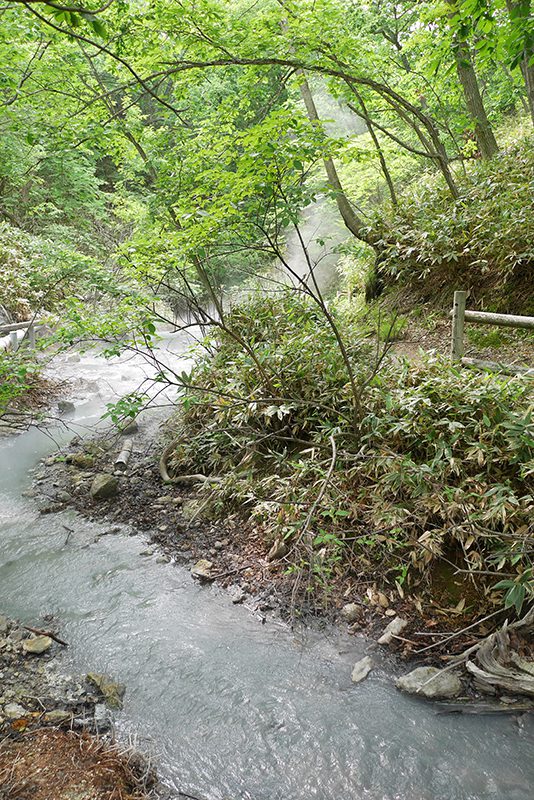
point(130, 428)
point(37, 645)
point(63, 497)
point(430, 682)
point(395, 627)
point(111, 691)
point(351, 612)
point(102, 718)
point(14, 711)
point(80, 460)
point(191, 509)
point(361, 669)
point(57, 717)
point(278, 550)
point(104, 486)
point(237, 594)
point(202, 570)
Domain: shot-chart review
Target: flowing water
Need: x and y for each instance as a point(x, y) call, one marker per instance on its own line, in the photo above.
point(232, 708)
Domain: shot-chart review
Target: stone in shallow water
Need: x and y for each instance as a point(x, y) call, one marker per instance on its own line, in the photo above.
point(430, 682)
point(111, 690)
point(104, 486)
point(237, 594)
point(102, 718)
point(37, 645)
point(66, 407)
point(361, 669)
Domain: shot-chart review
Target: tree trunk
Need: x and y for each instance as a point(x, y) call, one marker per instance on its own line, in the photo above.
point(351, 219)
point(528, 76)
point(485, 138)
point(383, 163)
point(519, 12)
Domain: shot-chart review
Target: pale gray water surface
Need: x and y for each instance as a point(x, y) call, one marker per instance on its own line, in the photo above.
point(232, 708)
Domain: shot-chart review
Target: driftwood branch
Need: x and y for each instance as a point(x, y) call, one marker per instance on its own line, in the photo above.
point(51, 635)
point(194, 478)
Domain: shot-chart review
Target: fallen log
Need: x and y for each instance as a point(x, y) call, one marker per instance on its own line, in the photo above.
point(484, 708)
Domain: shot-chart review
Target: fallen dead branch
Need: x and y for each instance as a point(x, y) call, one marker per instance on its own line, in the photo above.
point(195, 478)
point(493, 663)
point(50, 634)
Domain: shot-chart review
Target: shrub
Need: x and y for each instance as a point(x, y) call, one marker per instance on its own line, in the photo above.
point(484, 240)
point(438, 462)
point(40, 271)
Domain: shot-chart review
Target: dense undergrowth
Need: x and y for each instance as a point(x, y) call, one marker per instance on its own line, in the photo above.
point(482, 242)
point(429, 463)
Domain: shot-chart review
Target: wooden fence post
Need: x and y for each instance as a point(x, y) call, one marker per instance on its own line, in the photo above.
point(458, 318)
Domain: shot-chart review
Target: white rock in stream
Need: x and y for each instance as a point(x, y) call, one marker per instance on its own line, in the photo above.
point(361, 669)
point(395, 627)
point(14, 711)
point(430, 682)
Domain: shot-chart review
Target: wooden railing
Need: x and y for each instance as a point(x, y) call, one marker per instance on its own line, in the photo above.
point(18, 333)
point(460, 315)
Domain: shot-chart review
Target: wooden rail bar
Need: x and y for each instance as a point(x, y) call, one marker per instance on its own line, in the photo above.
point(20, 334)
point(460, 316)
point(504, 320)
point(18, 326)
point(508, 369)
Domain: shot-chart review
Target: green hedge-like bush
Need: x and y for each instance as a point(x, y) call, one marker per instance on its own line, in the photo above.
point(484, 240)
point(434, 462)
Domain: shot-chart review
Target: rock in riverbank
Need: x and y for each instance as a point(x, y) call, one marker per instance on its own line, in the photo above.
point(37, 645)
point(104, 486)
point(430, 682)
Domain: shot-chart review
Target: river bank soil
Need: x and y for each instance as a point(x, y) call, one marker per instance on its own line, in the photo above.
point(52, 764)
point(54, 727)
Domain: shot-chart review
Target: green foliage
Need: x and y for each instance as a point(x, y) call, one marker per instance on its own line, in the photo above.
point(440, 460)
point(268, 387)
point(483, 241)
point(124, 182)
point(481, 337)
point(126, 409)
point(41, 271)
point(18, 375)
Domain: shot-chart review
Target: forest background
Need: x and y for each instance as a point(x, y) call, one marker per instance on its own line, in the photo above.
point(158, 162)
